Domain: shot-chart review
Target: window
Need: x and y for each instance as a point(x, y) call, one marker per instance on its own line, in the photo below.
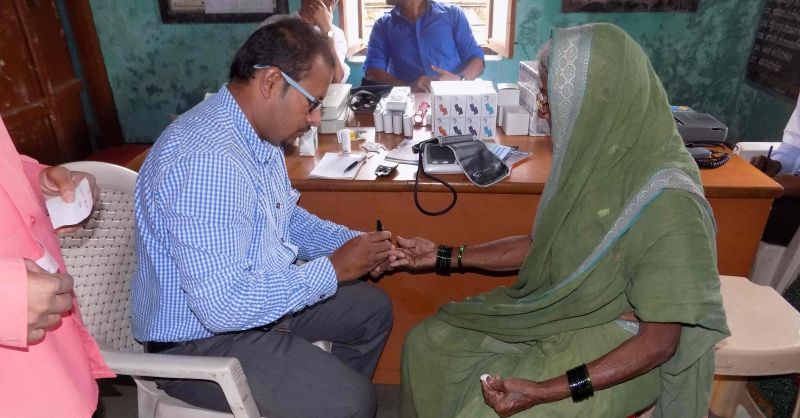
point(492, 22)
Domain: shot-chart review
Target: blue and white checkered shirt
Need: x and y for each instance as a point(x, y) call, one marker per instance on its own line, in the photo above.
point(219, 230)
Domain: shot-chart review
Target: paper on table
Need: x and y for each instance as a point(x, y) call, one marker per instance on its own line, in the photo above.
point(63, 213)
point(332, 166)
point(402, 153)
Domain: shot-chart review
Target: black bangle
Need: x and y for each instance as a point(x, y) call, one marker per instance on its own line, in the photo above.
point(443, 256)
point(580, 384)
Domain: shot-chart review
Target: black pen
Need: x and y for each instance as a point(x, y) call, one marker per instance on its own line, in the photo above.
point(354, 164)
point(379, 226)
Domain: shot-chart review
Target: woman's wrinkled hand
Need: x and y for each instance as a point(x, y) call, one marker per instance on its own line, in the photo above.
point(419, 253)
point(508, 396)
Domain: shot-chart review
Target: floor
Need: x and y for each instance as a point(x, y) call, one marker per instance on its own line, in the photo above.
point(118, 400)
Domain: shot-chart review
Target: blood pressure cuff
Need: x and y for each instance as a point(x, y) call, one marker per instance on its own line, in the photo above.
point(482, 167)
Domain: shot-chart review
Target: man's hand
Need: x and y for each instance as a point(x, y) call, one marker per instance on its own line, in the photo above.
point(418, 253)
point(60, 181)
point(422, 84)
point(316, 13)
point(508, 396)
point(385, 267)
point(49, 296)
point(767, 166)
point(445, 75)
point(361, 255)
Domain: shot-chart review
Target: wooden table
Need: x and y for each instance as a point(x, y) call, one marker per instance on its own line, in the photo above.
point(740, 196)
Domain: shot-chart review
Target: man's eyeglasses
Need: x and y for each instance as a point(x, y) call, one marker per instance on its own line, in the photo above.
point(313, 103)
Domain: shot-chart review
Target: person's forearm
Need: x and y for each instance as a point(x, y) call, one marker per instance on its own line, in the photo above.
point(501, 255)
point(790, 183)
point(473, 69)
point(338, 71)
point(382, 77)
point(655, 344)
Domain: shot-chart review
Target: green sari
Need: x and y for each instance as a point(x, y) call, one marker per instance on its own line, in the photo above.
point(622, 226)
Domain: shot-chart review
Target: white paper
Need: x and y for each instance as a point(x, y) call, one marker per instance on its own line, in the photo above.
point(63, 213)
point(47, 262)
point(332, 166)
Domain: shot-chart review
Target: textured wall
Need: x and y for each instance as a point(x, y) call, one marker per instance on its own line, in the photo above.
point(158, 69)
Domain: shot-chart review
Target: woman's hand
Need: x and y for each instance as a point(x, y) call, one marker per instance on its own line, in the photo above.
point(419, 253)
point(508, 396)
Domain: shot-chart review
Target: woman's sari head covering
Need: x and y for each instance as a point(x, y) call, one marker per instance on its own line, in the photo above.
point(616, 149)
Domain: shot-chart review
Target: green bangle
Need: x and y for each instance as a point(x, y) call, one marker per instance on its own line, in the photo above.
point(460, 255)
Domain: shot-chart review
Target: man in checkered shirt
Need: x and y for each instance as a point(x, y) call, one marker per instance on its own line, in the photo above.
point(219, 232)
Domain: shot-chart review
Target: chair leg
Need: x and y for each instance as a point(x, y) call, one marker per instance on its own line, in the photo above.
point(726, 393)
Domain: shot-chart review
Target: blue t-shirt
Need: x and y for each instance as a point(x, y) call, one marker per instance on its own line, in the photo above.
point(441, 37)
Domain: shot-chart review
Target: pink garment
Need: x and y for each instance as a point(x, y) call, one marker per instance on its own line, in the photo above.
point(56, 376)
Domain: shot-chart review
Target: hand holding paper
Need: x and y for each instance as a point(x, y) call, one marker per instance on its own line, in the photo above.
point(63, 213)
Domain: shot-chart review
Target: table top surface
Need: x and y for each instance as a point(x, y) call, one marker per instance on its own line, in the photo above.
point(736, 179)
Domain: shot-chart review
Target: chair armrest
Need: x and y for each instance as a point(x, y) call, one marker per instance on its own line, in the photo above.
point(225, 371)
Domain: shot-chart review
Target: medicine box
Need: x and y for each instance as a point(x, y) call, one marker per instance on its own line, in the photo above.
point(507, 94)
point(529, 74)
point(441, 126)
point(473, 125)
point(488, 126)
point(527, 98)
point(460, 105)
point(335, 101)
point(515, 120)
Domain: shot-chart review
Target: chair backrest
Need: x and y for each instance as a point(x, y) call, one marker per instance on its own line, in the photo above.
point(101, 257)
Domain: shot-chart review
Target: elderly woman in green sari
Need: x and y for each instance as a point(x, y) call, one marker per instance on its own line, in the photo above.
point(617, 306)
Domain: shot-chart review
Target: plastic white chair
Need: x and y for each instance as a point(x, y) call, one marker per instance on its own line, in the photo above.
point(101, 259)
point(764, 341)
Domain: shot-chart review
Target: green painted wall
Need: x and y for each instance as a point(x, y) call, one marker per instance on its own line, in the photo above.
point(158, 69)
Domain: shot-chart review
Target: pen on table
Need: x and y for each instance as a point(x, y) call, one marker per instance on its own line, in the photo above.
point(378, 226)
point(355, 163)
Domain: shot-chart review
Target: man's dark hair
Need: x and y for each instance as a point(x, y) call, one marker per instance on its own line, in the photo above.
point(290, 44)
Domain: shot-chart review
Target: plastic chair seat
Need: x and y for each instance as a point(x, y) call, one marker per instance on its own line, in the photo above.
point(764, 340)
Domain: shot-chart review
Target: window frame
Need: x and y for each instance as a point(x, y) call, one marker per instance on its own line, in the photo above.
point(500, 45)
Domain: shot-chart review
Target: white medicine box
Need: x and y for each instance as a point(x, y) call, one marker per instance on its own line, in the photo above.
point(458, 126)
point(507, 94)
point(458, 106)
point(515, 120)
point(473, 126)
point(441, 105)
point(455, 102)
point(441, 126)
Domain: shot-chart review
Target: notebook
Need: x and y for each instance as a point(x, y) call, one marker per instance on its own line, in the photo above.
point(333, 166)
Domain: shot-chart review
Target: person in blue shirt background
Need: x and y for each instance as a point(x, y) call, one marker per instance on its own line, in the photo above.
point(419, 41)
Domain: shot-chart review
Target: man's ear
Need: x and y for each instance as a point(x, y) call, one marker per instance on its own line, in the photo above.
point(269, 82)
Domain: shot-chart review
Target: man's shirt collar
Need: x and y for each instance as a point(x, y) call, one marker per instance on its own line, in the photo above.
point(262, 150)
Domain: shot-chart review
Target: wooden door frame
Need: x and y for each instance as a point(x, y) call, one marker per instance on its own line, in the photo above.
point(94, 74)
